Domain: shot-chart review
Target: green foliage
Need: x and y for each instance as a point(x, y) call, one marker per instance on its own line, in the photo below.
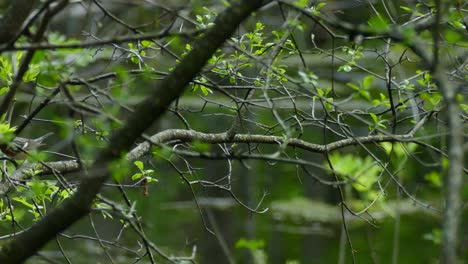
point(379, 122)
point(163, 153)
point(434, 179)
point(32, 208)
point(452, 36)
point(105, 209)
point(301, 3)
point(256, 249)
point(7, 133)
point(49, 67)
point(426, 80)
point(200, 87)
point(378, 23)
point(363, 88)
point(42, 190)
point(398, 154)
point(309, 77)
point(382, 100)
point(34, 197)
point(146, 174)
point(464, 107)
point(355, 54)
point(327, 96)
point(205, 20)
point(88, 138)
point(136, 54)
point(413, 10)
point(36, 155)
point(432, 101)
point(250, 244)
point(406, 85)
point(119, 169)
point(399, 149)
point(435, 236)
point(455, 19)
point(363, 171)
point(6, 71)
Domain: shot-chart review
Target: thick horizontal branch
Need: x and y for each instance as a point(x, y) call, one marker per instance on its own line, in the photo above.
point(26, 171)
point(190, 135)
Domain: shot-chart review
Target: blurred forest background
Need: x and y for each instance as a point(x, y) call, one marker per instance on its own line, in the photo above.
point(324, 84)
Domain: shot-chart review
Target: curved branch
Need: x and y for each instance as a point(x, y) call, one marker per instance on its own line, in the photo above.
point(191, 135)
point(62, 167)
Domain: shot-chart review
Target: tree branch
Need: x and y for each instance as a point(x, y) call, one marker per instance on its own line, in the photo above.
point(63, 167)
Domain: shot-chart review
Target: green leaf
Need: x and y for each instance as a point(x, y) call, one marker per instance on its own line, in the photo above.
point(445, 163)
point(378, 23)
point(353, 86)
point(432, 100)
point(205, 90)
point(146, 43)
point(387, 146)
point(365, 94)
point(320, 91)
point(24, 202)
point(7, 133)
point(3, 90)
point(435, 236)
point(345, 68)
point(139, 164)
point(119, 168)
point(259, 26)
point(367, 82)
point(250, 244)
point(452, 36)
point(301, 3)
point(38, 188)
point(135, 59)
point(136, 176)
point(148, 172)
point(407, 9)
point(320, 5)
point(151, 179)
point(376, 102)
point(364, 170)
point(328, 104)
point(38, 56)
point(434, 178)
point(464, 107)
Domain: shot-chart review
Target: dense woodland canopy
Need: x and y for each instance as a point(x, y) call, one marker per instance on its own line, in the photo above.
point(238, 131)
